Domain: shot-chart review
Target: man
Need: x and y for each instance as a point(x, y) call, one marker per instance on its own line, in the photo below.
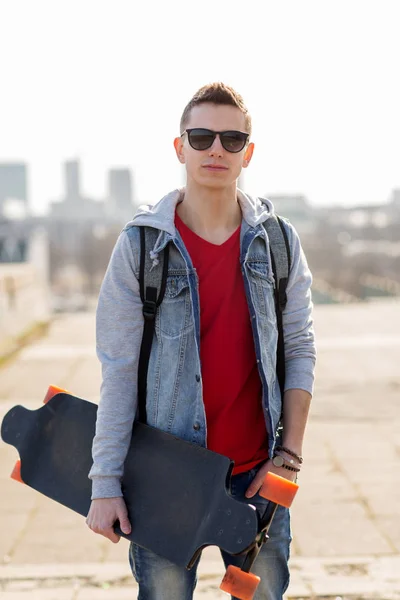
point(212, 372)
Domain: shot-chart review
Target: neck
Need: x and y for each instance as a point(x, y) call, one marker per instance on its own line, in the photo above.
point(213, 214)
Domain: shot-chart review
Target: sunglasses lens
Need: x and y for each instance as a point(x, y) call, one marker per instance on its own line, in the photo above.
point(233, 141)
point(201, 139)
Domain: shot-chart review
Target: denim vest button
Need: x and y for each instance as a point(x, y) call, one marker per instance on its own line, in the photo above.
point(196, 426)
point(198, 378)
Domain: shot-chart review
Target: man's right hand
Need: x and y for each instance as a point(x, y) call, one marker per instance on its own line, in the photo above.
point(103, 514)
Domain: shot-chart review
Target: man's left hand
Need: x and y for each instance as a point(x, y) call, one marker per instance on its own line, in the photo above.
point(258, 480)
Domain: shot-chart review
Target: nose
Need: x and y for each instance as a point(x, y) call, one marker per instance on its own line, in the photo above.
point(217, 148)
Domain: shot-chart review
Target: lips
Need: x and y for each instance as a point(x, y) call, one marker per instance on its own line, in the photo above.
point(215, 167)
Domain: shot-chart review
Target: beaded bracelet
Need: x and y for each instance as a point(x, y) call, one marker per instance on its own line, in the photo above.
point(291, 453)
point(295, 469)
point(288, 461)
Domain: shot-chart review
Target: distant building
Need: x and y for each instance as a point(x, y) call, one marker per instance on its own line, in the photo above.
point(395, 200)
point(76, 221)
point(72, 182)
point(74, 206)
point(13, 243)
point(13, 189)
point(297, 209)
point(369, 215)
point(25, 241)
point(120, 197)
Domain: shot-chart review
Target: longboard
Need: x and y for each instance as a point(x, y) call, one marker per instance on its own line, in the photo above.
point(176, 492)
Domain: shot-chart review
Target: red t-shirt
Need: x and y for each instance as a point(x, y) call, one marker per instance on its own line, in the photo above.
point(231, 383)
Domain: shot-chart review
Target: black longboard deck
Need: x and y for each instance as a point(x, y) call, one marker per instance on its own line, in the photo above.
point(176, 492)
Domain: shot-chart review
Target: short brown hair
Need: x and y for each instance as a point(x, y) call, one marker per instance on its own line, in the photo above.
point(216, 93)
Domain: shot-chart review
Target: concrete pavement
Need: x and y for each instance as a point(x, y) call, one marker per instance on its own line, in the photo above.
point(346, 528)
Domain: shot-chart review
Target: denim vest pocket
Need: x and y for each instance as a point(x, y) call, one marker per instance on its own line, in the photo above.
point(174, 313)
point(262, 286)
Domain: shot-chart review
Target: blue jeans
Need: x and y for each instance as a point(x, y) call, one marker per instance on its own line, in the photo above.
point(159, 579)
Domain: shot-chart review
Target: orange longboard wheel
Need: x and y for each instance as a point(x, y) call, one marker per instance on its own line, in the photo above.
point(239, 584)
point(278, 489)
point(16, 472)
point(53, 391)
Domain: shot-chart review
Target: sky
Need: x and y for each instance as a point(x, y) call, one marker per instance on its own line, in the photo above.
point(106, 82)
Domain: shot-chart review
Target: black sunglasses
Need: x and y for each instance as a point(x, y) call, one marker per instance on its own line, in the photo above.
point(201, 139)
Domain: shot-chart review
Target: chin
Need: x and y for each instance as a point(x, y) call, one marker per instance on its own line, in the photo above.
point(216, 183)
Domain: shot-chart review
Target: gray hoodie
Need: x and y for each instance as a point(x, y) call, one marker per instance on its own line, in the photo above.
point(174, 395)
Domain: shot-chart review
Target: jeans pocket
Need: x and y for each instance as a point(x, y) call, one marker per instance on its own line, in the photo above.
point(132, 561)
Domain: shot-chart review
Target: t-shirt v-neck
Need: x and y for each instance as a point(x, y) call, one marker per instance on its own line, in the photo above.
point(207, 257)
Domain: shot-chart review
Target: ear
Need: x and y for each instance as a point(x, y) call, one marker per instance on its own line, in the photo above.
point(178, 145)
point(248, 154)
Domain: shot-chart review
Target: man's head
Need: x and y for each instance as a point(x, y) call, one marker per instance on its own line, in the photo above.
point(215, 160)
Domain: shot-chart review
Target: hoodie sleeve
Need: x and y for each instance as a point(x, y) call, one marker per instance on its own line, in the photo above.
point(119, 328)
point(300, 354)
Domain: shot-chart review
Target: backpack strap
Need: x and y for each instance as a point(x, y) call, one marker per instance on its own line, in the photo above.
point(280, 257)
point(152, 283)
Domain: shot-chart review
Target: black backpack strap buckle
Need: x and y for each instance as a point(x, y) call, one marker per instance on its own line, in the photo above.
point(149, 310)
point(282, 296)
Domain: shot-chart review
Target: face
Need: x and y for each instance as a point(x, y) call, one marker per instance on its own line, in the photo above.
point(214, 167)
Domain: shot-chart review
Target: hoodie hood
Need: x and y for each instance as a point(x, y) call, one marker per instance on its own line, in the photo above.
point(161, 215)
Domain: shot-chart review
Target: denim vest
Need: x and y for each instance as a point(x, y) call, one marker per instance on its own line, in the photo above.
point(174, 388)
